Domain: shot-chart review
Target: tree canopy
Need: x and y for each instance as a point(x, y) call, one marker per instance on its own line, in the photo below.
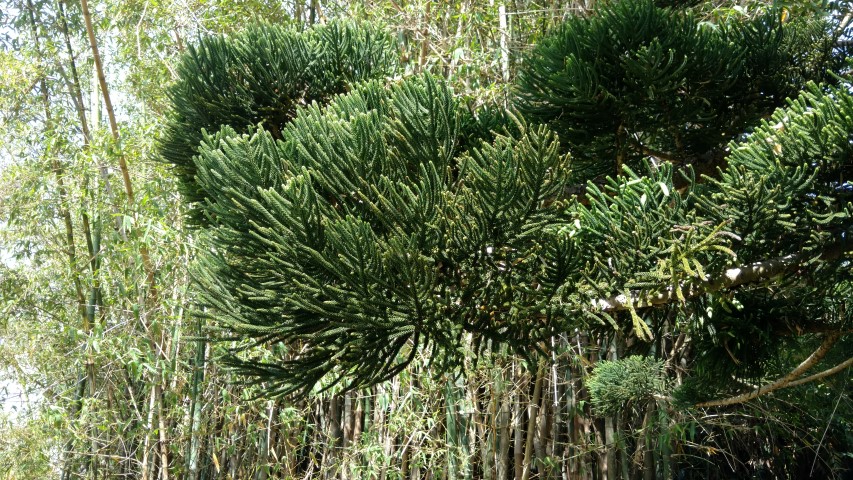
point(260, 77)
point(535, 239)
point(362, 231)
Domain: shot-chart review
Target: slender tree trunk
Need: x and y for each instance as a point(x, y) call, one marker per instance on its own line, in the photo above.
point(380, 425)
point(197, 399)
point(504, 32)
point(145, 467)
point(643, 453)
point(517, 420)
point(543, 430)
point(74, 83)
point(347, 420)
point(424, 36)
point(265, 445)
point(77, 96)
point(557, 434)
point(358, 423)
point(161, 427)
point(108, 104)
point(583, 428)
point(67, 464)
point(532, 413)
point(335, 433)
point(316, 12)
point(298, 8)
point(458, 41)
point(611, 427)
point(234, 457)
point(483, 436)
point(148, 266)
point(502, 424)
point(59, 172)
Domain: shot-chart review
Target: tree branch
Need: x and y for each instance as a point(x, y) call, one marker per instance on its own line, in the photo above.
point(731, 278)
point(785, 381)
point(826, 373)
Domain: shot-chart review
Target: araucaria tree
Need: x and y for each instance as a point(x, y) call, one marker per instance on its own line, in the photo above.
point(655, 189)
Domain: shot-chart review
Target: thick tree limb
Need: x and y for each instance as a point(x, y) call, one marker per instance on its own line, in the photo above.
point(808, 363)
point(732, 277)
point(826, 373)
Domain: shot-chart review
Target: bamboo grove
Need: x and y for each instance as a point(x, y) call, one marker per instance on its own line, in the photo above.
point(595, 240)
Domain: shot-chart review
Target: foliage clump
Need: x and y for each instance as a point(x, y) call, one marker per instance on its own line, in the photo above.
point(392, 220)
point(638, 80)
point(614, 384)
point(361, 235)
point(262, 76)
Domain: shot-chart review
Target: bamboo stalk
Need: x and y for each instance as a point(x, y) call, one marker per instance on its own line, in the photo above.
point(196, 397)
point(517, 420)
point(265, 444)
point(145, 466)
point(358, 420)
point(502, 423)
point(161, 427)
point(93, 43)
point(543, 423)
point(610, 425)
point(425, 36)
point(70, 247)
point(532, 412)
point(58, 170)
point(610, 448)
point(347, 420)
point(92, 243)
point(504, 42)
point(147, 264)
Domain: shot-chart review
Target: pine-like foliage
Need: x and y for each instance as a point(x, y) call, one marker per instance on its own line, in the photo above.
point(632, 381)
point(782, 204)
point(262, 76)
point(787, 195)
point(379, 224)
point(361, 236)
point(636, 79)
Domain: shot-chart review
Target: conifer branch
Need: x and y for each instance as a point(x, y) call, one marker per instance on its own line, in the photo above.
point(826, 373)
point(733, 277)
point(783, 382)
point(660, 155)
